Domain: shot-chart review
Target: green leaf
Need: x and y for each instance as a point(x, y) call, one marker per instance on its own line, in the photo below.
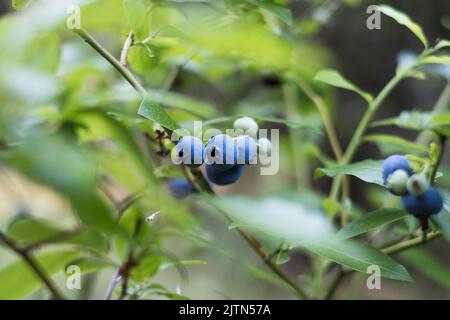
point(334, 78)
point(302, 226)
point(31, 230)
point(153, 111)
point(138, 14)
point(442, 219)
point(389, 144)
point(20, 4)
point(428, 265)
point(367, 170)
point(18, 279)
point(371, 221)
point(403, 19)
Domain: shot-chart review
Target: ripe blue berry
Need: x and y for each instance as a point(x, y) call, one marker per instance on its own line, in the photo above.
point(424, 205)
point(223, 177)
point(181, 188)
point(247, 149)
point(189, 151)
point(393, 163)
point(221, 152)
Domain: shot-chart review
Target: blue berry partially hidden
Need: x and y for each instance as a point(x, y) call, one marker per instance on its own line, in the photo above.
point(223, 177)
point(247, 149)
point(189, 151)
point(221, 152)
point(426, 204)
point(393, 163)
point(181, 188)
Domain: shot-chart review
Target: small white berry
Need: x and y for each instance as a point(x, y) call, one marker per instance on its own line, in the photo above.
point(247, 125)
point(265, 147)
point(396, 182)
point(417, 184)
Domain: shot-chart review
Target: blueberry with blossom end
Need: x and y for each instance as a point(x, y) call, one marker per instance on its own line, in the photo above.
point(264, 147)
point(393, 163)
point(221, 152)
point(417, 184)
point(189, 151)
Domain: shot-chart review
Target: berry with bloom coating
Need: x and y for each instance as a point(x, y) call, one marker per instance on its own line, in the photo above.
point(247, 149)
point(426, 204)
point(417, 184)
point(396, 182)
point(189, 151)
point(221, 152)
point(223, 177)
point(393, 163)
point(264, 147)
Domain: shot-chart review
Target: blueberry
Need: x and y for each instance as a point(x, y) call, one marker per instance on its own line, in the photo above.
point(223, 177)
point(181, 188)
point(424, 205)
point(264, 147)
point(393, 163)
point(247, 149)
point(396, 182)
point(189, 151)
point(417, 184)
point(221, 152)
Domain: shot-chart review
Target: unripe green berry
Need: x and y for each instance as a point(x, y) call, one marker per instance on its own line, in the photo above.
point(264, 147)
point(247, 125)
point(417, 184)
point(396, 182)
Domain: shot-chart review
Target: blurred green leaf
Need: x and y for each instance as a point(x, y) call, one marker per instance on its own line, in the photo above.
point(20, 4)
point(138, 14)
point(279, 11)
point(436, 59)
point(403, 19)
point(31, 230)
point(334, 78)
point(389, 144)
point(307, 228)
point(366, 170)
point(146, 267)
point(371, 221)
point(442, 44)
point(18, 279)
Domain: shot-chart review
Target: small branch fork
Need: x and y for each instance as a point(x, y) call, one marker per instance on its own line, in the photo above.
point(34, 265)
point(193, 174)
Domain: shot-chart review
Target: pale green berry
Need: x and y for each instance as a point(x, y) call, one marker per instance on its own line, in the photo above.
point(246, 125)
point(264, 147)
point(417, 184)
point(396, 182)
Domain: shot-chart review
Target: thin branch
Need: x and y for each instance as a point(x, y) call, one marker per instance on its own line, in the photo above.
point(126, 47)
point(115, 279)
point(404, 245)
point(197, 174)
point(34, 265)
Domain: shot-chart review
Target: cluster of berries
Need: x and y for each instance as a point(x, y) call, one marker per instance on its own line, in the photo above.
point(223, 155)
point(418, 197)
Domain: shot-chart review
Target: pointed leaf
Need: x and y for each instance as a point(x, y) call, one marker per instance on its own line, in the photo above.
point(367, 170)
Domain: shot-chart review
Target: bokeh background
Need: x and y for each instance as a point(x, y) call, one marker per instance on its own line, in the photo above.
point(337, 29)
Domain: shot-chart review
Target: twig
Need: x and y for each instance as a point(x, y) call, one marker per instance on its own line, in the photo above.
point(335, 284)
point(126, 47)
point(112, 285)
point(37, 269)
point(414, 242)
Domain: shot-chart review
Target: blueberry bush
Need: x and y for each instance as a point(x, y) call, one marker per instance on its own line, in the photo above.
point(108, 185)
